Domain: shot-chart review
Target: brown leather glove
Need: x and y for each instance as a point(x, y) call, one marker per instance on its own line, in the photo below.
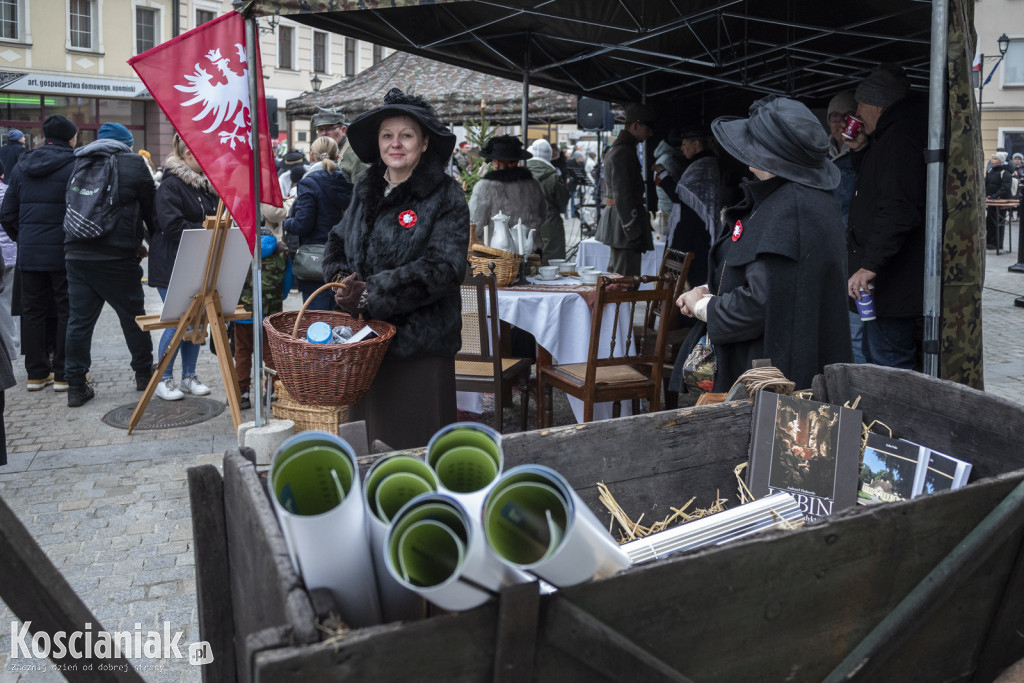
point(348, 297)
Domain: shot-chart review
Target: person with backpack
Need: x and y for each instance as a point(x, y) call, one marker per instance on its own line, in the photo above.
point(183, 201)
point(110, 200)
point(33, 216)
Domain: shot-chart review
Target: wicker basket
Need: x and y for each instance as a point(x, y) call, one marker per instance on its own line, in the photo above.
point(306, 418)
point(506, 264)
point(325, 374)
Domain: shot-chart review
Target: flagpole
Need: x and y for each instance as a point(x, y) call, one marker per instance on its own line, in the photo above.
point(251, 36)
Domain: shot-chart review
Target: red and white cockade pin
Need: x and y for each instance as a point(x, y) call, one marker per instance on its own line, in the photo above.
point(737, 230)
point(407, 219)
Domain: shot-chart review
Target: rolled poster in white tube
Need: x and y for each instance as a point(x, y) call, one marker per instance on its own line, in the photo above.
point(536, 522)
point(316, 495)
point(432, 549)
point(390, 483)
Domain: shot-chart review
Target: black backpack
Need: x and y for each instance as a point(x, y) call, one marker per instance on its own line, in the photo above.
point(91, 198)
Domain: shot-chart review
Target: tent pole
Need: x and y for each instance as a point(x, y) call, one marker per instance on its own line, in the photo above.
point(251, 36)
point(934, 196)
point(526, 92)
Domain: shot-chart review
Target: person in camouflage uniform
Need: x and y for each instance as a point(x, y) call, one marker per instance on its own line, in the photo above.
point(275, 278)
point(332, 124)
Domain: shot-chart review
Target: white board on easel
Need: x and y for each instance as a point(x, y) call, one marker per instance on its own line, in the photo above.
point(190, 263)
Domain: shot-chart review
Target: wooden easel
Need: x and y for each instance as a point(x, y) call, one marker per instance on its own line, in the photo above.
point(204, 309)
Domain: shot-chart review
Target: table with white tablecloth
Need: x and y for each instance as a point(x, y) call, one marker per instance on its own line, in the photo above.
point(560, 321)
point(594, 253)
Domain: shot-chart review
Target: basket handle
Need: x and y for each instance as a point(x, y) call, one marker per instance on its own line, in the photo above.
point(305, 305)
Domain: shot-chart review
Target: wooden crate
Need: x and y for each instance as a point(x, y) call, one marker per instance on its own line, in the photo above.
point(781, 606)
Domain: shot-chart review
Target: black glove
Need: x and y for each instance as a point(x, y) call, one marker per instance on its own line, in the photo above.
point(348, 297)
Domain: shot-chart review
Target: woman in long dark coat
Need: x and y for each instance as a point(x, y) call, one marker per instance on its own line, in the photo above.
point(778, 269)
point(401, 252)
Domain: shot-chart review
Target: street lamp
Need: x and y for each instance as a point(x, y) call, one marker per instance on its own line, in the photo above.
point(315, 82)
point(1004, 44)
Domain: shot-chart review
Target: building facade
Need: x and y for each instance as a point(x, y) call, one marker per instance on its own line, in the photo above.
point(1002, 97)
point(70, 57)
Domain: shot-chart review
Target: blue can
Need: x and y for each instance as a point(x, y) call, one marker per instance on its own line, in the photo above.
point(319, 333)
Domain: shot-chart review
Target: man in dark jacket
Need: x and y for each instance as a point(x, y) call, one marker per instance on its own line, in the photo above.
point(998, 181)
point(625, 225)
point(12, 151)
point(33, 215)
point(885, 238)
point(106, 268)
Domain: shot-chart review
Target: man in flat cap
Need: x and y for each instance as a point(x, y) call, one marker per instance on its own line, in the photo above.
point(332, 124)
point(625, 225)
point(885, 232)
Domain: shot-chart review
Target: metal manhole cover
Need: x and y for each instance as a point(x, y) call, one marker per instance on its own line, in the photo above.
point(167, 414)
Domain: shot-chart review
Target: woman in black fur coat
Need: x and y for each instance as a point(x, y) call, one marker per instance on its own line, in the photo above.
point(401, 252)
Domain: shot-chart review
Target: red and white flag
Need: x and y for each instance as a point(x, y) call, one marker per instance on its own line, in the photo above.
point(200, 79)
point(977, 62)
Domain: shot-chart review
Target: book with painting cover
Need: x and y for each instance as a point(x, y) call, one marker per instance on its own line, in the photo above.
point(896, 469)
point(808, 449)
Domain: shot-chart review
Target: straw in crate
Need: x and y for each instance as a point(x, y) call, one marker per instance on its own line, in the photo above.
point(325, 374)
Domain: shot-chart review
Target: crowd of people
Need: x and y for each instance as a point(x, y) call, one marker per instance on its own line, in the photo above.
point(821, 218)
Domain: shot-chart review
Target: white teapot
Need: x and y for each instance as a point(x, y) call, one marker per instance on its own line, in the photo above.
point(523, 237)
point(501, 238)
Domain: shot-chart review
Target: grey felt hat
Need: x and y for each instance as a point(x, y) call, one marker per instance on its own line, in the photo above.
point(783, 137)
point(362, 132)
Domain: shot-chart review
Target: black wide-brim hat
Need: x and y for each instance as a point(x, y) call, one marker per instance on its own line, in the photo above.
point(362, 132)
point(505, 148)
point(783, 137)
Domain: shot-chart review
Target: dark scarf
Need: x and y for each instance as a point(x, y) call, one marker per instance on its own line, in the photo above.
point(510, 175)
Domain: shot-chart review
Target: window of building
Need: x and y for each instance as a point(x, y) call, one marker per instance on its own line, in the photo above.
point(378, 53)
point(145, 29)
point(10, 19)
point(350, 56)
point(82, 21)
point(319, 52)
point(285, 47)
point(1014, 63)
point(204, 15)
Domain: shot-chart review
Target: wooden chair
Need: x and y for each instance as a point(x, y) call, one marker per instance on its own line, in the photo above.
point(627, 368)
point(479, 366)
point(675, 263)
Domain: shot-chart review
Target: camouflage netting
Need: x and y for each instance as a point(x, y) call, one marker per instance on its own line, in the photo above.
point(963, 246)
point(454, 92)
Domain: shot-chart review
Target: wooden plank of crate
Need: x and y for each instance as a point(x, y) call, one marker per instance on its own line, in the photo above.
point(1005, 633)
point(649, 462)
point(266, 593)
point(600, 647)
point(516, 632)
point(453, 648)
point(210, 548)
point(805, 598)
point(38, 593)
point(960, 421)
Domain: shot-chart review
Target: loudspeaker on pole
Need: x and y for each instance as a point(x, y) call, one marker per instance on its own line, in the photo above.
point(592, 114)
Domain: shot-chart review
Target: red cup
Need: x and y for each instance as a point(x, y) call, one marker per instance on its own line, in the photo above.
point(853, 126)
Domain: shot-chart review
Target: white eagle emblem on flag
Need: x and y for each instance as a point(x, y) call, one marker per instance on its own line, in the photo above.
point(226, 100)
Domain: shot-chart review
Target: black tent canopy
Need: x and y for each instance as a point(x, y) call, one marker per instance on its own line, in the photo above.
point(710, 55)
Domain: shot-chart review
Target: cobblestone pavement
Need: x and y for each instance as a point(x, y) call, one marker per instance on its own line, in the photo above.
point(111, 510)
